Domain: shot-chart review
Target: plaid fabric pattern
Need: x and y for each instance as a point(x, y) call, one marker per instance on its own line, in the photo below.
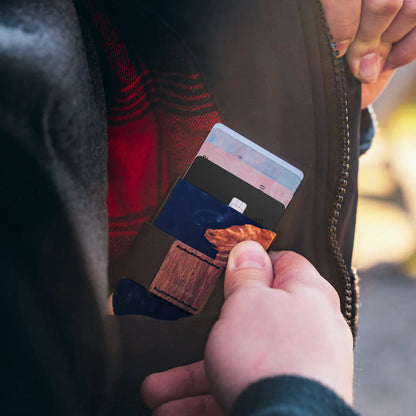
point(157, 120)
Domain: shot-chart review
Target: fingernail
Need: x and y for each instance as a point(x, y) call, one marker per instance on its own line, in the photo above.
point(369, 68)
point(341, 48)
point(248, 254)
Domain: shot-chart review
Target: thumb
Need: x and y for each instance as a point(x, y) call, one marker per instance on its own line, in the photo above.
point(248, 266)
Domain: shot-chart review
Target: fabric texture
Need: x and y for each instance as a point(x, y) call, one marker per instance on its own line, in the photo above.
point(290, 396)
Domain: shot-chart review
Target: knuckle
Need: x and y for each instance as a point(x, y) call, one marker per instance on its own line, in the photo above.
point(161, 411)
point(409, 9)
point(324, 293)
point(406, 57)
point(343, 21)
point(402, 55)
point(148, 389)
point(384, 7)
point(344, 32)
point(204, 406)
point(190, 380)
point(344, 328)
point(330, 294)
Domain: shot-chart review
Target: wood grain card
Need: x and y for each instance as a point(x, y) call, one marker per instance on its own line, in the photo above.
point(186, 277)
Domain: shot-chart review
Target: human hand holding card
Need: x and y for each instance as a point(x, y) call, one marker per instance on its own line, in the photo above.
point(231, 182)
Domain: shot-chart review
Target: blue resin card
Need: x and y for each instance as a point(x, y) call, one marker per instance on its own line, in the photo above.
point(189, 212)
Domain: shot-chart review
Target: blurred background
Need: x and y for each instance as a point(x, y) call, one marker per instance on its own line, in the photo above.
point(385, 256)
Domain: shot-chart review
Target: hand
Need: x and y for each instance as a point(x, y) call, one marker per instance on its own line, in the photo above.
point(377, 36)
point(287, 324)
point(280, 317)
point(181, 391)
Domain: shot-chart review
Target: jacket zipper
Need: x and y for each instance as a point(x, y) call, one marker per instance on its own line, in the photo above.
point(343, 173)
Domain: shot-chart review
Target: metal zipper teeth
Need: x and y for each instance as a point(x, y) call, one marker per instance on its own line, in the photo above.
point(342, 177)
point(342, 184)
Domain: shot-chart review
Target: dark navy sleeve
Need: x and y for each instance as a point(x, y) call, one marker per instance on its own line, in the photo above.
point(367, 129)
point(290, 396)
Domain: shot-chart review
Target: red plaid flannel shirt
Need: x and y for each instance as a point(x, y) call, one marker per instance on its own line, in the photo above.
point(156, 123)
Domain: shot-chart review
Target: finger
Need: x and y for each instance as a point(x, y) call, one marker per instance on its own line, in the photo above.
point(343, 18)
point(174, 384)
point(248, 266)
point(376, 17)
point(402, 52)
point(367, 54)
point(403, 23)
point(293, 273)
point(190, 406)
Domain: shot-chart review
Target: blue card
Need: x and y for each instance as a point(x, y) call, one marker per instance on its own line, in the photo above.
point(189, 212)
point(130, 298)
